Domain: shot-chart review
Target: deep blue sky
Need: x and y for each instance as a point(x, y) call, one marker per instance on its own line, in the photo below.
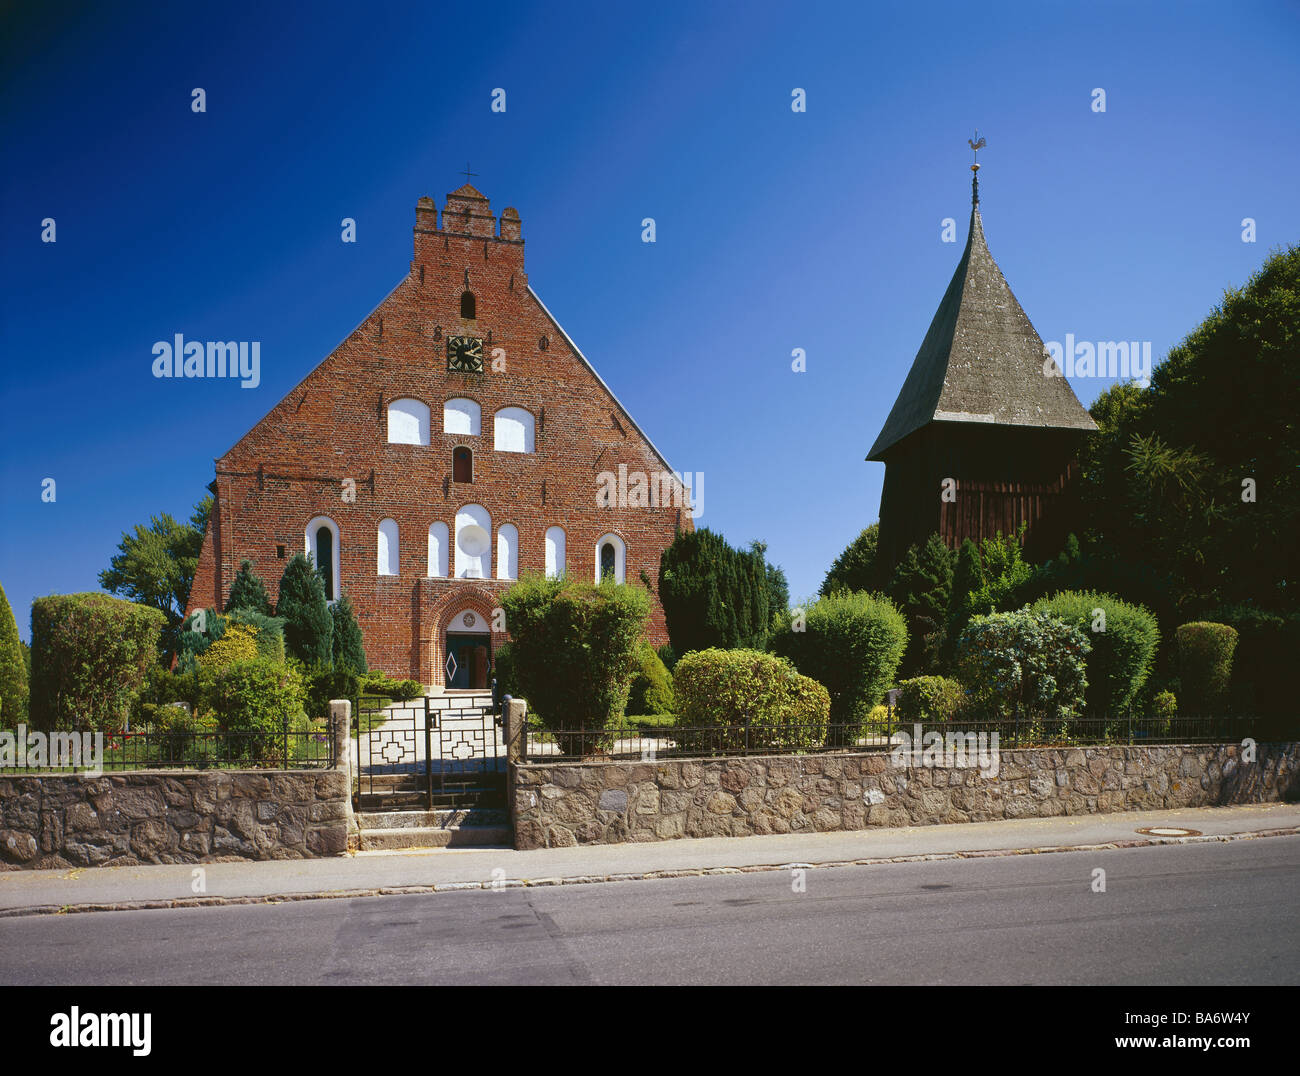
point(776, 230)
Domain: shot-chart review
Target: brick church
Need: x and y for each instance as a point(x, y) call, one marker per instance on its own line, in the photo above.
point(455, 439)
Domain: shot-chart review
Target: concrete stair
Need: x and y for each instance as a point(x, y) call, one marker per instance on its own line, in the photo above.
point(458, 828)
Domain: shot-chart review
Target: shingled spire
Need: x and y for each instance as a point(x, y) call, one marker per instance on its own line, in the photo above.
point(982, 360)
point(985, 434)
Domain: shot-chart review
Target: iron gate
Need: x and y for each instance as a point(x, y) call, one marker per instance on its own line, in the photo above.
point(437, 751)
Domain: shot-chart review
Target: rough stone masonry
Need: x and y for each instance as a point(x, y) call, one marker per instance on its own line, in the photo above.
point(561, 804)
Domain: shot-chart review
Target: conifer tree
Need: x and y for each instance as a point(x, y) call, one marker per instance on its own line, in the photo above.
point(247, 591)
point(349, 651)
point(13, 669)
point(308, 628)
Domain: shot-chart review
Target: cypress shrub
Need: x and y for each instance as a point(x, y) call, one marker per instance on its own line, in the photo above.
point(730, 700)
point(852, 643)
point(308, 627)
point(90, 654)
point(1205, 652)
point(713, 595)
point(1122, 655)
point(13, 669)
point(247, 591)
point(349, 652)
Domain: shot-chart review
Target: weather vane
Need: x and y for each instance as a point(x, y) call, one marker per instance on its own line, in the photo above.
point(975, 146)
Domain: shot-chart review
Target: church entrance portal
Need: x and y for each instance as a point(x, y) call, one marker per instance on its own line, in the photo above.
point(468, 657)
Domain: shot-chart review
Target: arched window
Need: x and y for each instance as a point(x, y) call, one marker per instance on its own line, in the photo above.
point(473, 542)
point(513, 430)
point(507, 551)
point(408, 422)
point(467, 305)
point(438, 549)
point(322, 545)
point(462, 464)
point(462, 417)
point(611, 558)
point(388, 559)
point(554, 552)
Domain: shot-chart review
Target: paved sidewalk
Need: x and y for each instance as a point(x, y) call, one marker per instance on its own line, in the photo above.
point(435, 870)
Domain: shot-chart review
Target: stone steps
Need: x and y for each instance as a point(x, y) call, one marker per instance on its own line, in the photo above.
point(448, 828)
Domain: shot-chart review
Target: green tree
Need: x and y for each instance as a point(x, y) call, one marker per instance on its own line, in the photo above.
point(922, 589)
point(247, 591)
point(13, 669)
point(856, 567)
point(308, 626)
point(713, 595)
point(155, 566)
point(573, 650)
point(349, 650)
point(778, 587)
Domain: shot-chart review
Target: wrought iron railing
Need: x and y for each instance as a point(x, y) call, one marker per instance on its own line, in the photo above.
point(886, 734)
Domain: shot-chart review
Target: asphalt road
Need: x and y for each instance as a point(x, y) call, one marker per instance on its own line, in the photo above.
point(1194, 914)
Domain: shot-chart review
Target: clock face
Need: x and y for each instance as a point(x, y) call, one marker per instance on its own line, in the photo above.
point(465, 354)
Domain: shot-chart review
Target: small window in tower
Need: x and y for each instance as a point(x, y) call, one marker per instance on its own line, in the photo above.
point(462, 464)
point(279, 552)
point(607, 559)
point(467, 306)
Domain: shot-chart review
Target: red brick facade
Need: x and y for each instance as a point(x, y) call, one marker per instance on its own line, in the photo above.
point(294, 465)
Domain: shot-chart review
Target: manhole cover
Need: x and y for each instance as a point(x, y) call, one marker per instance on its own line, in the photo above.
point(1169, 831)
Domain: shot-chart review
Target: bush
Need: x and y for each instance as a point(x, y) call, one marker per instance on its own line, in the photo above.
point(852, 643)
point(247, 592)
point(349, 652)
point(1205, 654)
point(238, 643)
point(90, 654)
point(13, 669)
point(155, 702)
point(1024, 663)
point(574, 651)
point(503, 671)
point(254, 703)
point(1165, 706)
point(269, 633)
point(652, 688)
point(309, 627)
point(929, 698)
point(730, 700)
point(323, 686)
point(1122, 655)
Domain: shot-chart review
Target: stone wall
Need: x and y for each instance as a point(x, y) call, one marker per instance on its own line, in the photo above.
point(176, 816)
point(561, 804)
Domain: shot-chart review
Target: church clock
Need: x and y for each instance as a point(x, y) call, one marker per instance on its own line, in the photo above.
point(465, 354)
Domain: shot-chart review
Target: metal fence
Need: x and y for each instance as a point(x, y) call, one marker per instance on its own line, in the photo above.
point(714, 741)
point(148, 749)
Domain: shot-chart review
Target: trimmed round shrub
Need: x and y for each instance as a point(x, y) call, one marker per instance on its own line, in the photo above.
point(13, 669)
point(929, 698)
point(90, 654)
point(852, 644)
point(1123, 653)
point(1205, 654)
point(731, 700)
point(1024, 663)
point(574, 651)
point(652, 687)
point(254, 703)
